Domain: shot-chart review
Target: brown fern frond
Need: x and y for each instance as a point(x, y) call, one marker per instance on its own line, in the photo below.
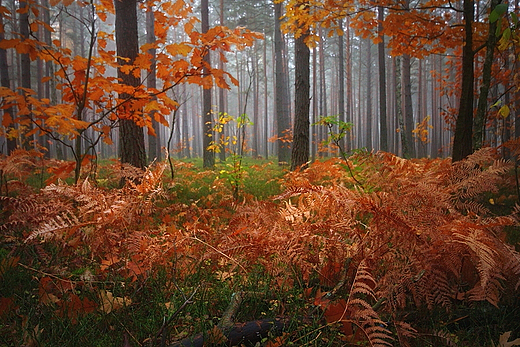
point(361, 312)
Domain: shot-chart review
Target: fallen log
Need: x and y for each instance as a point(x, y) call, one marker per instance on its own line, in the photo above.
point(248, 332)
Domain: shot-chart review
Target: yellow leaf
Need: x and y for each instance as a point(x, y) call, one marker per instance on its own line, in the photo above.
point(178, 49)
point(504, 111)
point(152, 106)
point(110, 303)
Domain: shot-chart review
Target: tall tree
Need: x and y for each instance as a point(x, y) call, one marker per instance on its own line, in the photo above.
point(5, 82)
point(300, 148)
point(154, 140)
point(131, 136)
point(382, 82)
point(208, 156)
point(462, 145)
point(222, 91)
point(25, 62)
point(282, 102)
point(482, 106)
point(406, 85)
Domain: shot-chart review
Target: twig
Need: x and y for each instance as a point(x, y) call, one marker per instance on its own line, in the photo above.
point(175, 314)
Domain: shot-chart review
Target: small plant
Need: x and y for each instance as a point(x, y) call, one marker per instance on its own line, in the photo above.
point(337, 131)
point(235, 144)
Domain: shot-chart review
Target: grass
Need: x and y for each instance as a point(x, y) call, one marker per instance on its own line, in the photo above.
point(140, 306)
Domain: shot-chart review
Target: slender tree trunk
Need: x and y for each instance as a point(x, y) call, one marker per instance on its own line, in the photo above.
point(132, 149)
point(368, 99)
point(300, 150)
point(25, 63)
point(282, 110)
point(222, 92)
point(462, 145)
point(266, 109)
point(207, 117)
point(398, 105)
point(154, 142)
point(382, 83)
point(406, 86)
point(5, 82)
point(341, 78)
point(482, 107)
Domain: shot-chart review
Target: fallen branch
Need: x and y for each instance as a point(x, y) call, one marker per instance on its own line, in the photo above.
point(252, 332)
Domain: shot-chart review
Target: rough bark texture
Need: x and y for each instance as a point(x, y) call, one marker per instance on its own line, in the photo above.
point(131, 135)
point(482, 108)
point(300, 149)
point(208, 157)
point(462, 145)
point(282, 110)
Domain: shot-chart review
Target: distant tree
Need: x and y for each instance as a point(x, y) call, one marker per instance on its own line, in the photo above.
point(5, 82)
point(207, 117)
point(281, 94)
point(154, 140)
point(132, 150)
point(381, 55)
point(25, 66)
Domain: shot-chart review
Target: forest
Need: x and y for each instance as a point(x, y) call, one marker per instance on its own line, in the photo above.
point(259, 173)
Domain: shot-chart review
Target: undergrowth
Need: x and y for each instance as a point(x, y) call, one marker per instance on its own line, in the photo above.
point(421, 253)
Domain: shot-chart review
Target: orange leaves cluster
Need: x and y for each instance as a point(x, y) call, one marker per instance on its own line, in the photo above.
point(87, 83)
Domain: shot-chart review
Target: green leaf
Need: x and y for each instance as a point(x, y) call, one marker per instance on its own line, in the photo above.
point(497, 12)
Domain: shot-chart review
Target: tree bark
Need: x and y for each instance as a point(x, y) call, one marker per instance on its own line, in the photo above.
point(208, 156)
point(300, 149)
point(382, 83)
point(25, 63)
point(282, 109)
point(5, 82)
point(132, 149)
point(154, 142)
point(462, 145)
point(482, 106)
point(406, 85)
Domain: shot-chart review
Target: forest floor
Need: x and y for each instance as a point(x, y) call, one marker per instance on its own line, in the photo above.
point(409, 253)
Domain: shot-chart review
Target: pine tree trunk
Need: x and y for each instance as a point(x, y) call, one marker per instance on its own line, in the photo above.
point(300, 149)
point(462, 141)
point(282, 111)
point(132, 149)
point(382, 84)
point(208, 156)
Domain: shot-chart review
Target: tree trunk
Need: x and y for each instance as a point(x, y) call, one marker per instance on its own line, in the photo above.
point(462, 146)
point(222, 92)
point(482, 107)
point(368, 97)
point(282, 110)
point(406, 86)
point(25, 63)
point(300, 149)
point(4, 77)
point(131, 137)
point(208, 156)
point(154, 142)
point(382, 83)
point(341, 77)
